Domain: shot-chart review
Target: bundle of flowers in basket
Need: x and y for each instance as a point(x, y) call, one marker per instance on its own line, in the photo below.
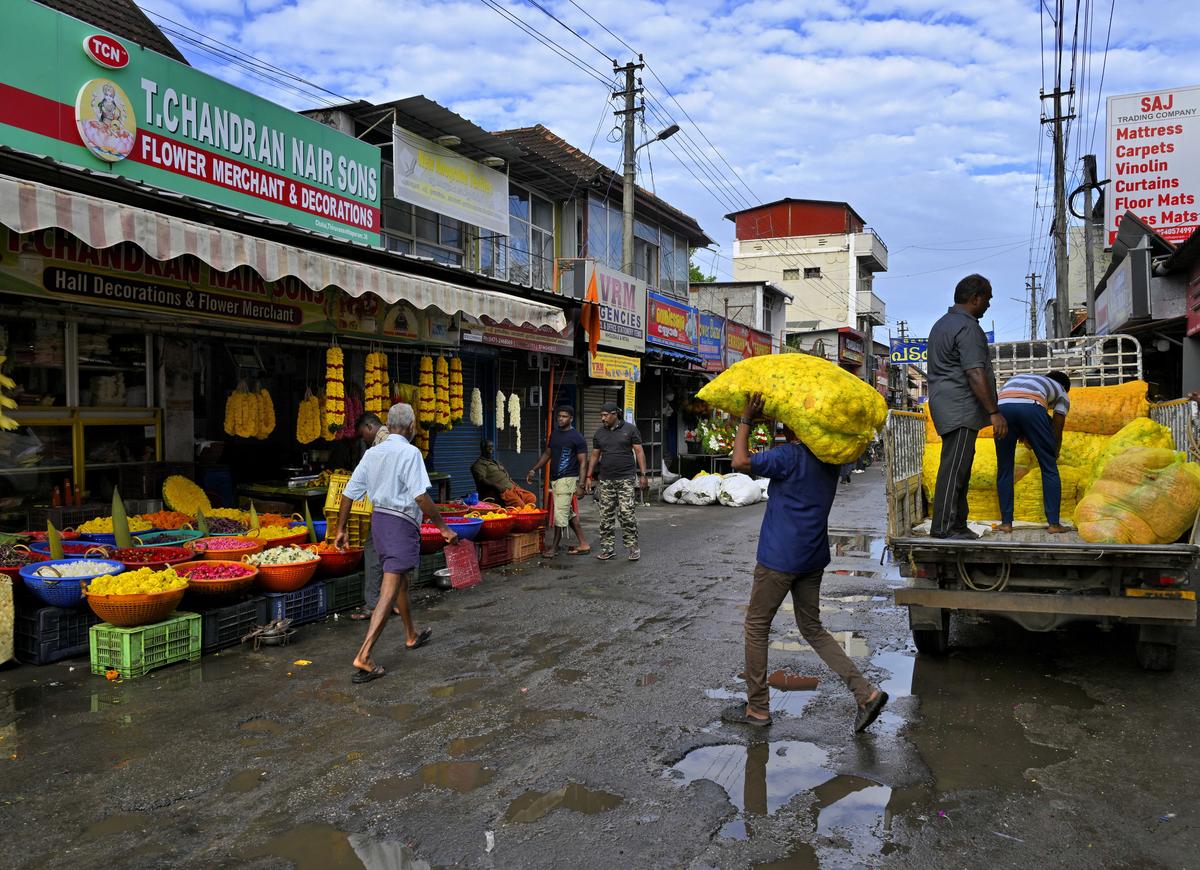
point(131, 598)
point(284, 569)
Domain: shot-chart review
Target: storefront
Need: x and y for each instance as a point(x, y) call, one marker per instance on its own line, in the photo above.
point(671, 374)
point(851, 350)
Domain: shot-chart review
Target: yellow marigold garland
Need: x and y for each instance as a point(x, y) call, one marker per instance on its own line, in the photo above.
point(456, 391)
point(442, 394)
point(335, 388)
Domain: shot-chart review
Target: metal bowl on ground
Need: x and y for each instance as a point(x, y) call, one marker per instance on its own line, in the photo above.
point(441, 579)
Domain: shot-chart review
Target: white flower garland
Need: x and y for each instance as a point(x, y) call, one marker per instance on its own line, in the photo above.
point(476, 407)
point(500, 410)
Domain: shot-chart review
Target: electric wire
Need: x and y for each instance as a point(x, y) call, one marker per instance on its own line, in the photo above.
point(572, 31)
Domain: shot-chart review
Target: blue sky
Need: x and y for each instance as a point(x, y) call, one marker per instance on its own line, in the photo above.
point(922, 114)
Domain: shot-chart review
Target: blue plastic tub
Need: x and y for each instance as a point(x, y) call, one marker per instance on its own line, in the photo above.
point(65, 591)
point(466, 527)
point(72, 549)
point(167, 538)
point(319, 526)
point(111, 540)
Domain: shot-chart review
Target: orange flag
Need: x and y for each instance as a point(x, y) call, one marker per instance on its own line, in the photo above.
point(589, 317)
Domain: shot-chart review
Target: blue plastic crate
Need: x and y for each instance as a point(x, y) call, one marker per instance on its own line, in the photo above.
point(344, 593)
point(226, 625)
point(304, 605)
point(51, 634)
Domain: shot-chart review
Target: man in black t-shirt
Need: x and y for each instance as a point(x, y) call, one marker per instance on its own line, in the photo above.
point(567, 458)
point(616, 455)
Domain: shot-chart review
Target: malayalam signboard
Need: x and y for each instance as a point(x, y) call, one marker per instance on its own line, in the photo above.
point(916, 350)
point(433, 177)
point(1154, 161)
point(606, 366)
point(622, 308)
point(72, 92)
point(671, 324)
point(712, 342)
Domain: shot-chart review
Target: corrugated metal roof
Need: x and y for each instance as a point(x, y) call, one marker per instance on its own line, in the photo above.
point(122, 17)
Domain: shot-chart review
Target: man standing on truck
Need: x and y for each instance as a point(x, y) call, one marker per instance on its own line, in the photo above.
point(793, 550)
point(962, 400)
point(1025, 402)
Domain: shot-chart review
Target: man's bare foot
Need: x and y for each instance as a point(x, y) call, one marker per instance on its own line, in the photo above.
point(1004, 527)
point(364, 664)
point(1057, 529)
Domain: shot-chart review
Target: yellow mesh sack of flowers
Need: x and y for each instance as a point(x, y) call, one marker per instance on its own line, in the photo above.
point(1081, 450)
point(834, 413)
point(1147, 495)
point(1142, 432)
point(983, 469)
point(1104, 410)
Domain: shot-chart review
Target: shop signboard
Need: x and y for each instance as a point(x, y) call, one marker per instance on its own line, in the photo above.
point(760, 343)
point(607, 366)
point(737, 342)
point(83, 97)
point(850, 348)
point(401, 322)
point(1154, 161)
point(433, 177)
point(712, 342)
point(671, 324)
point(630, 400)
point(916, 350)
point(524, 337)
point(622, 301)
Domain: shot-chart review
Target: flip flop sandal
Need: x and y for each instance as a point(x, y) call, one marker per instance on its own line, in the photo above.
point(361, 676)
point(422, 639)
point(604, 557)
point(576, 551)
point(736, 715)
point(868, 714)
point(360, 615)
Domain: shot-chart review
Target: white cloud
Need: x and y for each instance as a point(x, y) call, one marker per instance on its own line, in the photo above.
point(923, 114)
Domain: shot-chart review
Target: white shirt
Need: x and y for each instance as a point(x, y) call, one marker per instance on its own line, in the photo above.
point(392, 474)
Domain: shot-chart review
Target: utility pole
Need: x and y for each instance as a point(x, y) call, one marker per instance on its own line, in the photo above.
point(902, 328)
point(1062, 308)
point(629, 115)
point(1031, 286)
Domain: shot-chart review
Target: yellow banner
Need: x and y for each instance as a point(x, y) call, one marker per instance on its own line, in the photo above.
point(614, 367)
point(630, 396)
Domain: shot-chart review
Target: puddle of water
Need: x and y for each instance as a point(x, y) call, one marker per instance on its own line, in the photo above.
point(761, 778)
point(534, 805)
point(900, 665)
point(457, 688)
point(247, 780)
point(480, 606)
point(790, 702)
point(735, 829)
point(263, 726)
point(786, 681)
point(123, 823)
point(802, 857)
point(461, 746)
point(853, 643)
point(842, 572)
point(852, 544)
point(323, 847)
point(459, 776)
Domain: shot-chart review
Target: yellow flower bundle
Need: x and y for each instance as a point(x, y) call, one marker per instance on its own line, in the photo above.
point(441, 385)
point(265, 417)
point(335, 388)
point(456, 391)
point(6, 401)
point(426, 408)
point(308, 419)
point(375, 396)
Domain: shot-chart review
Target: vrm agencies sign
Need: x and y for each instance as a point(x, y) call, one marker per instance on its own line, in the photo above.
point(87, 98)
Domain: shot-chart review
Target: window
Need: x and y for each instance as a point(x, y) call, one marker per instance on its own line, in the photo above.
point(812, 271)
point(409, 229)
point(767, 327)
point(526, 255)
point(791, 274)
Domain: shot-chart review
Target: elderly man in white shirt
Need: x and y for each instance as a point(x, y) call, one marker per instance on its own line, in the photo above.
point(392, 474)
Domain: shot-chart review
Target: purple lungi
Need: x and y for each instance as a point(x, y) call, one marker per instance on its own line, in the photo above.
point(397, 541)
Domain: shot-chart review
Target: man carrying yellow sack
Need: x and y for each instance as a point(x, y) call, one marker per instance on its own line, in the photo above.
point(1025, 403)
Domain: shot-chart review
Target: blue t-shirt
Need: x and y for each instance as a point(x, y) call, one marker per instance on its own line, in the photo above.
point(795, 530)
point(565, 447)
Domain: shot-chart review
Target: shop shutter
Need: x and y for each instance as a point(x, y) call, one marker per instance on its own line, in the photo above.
point(455, 451)
point(595, 395)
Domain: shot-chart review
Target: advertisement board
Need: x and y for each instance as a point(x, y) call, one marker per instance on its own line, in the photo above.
point(916, 350)
point(671, 324)
point(524, 337)
point(614, 367)
point(433, 177)
point(1153, 148)
point(84, 97)
point(737, 342)
point(712, 342)
point(622, 308)
point(760, 343)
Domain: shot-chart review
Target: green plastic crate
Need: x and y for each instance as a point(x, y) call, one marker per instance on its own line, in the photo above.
point(134, 652)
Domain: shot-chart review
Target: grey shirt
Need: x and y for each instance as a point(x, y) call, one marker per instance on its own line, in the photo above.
point(957, 343)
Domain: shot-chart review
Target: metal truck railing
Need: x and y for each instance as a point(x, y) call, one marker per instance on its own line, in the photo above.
point(1180, 416)
point(1092, 360)
point(903, 450)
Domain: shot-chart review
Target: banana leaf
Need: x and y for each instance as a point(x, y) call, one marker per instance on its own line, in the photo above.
point(308, 524)
point(120, 521)
point(54, 539)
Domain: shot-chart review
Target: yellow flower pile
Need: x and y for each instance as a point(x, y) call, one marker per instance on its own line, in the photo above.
point(335, 388)
point(228, 514)
point(308, 419)
point(6, 401)
point(1146, 495)
point(143, 581)
point(1104, 410)
point(271, 532)
point(441, 392)
point(249, 414)
point(456, 391)
point(181, 494)
point(834, 413)
point(375, 392)
point(104, 526)
point(266, 415)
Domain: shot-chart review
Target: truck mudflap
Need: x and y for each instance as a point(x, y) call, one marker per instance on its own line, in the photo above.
point(1173, 607)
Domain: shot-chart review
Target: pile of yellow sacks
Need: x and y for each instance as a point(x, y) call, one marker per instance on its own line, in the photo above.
point(834, 413)
point(1145, 495)
point(1105, 424)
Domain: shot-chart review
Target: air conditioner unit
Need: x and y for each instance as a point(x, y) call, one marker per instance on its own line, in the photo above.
point(534, 398)
point(539, 362)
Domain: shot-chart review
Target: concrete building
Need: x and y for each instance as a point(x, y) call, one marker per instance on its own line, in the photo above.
point(824, 256)
point(761, 305)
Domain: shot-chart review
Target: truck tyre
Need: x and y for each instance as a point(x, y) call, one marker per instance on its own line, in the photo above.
point(933, 641)
point(1153, 656)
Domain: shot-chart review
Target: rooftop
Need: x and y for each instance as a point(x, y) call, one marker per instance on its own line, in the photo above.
point(122, 17)
point(787, 199)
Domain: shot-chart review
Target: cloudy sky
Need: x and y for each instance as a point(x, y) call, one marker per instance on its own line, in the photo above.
point(923, 114)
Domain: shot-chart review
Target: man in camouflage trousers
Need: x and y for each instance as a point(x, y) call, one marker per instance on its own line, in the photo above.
point(617, 468)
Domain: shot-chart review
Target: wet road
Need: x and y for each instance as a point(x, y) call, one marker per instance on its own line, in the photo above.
point(567, 715)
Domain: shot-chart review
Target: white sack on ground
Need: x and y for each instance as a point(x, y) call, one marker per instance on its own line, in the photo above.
point(739, 490)
point(703, 491)
point(674, 493)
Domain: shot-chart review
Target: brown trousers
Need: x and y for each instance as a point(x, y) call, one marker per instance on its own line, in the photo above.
point(770, 589)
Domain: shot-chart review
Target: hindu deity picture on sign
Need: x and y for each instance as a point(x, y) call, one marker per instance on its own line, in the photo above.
point(105, 119)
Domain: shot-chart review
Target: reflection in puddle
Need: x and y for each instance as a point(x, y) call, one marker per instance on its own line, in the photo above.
point(464, 745)
point(459, 776)
point(900, 665)
point(451, 689)
point(263, 726)
point(537, 717)
point(849, 544)
point(324, 847)
point(399, 712)
point(533, 805)
point(762, 777)
point(792, 703)
point(842, 572)
point(853, 643)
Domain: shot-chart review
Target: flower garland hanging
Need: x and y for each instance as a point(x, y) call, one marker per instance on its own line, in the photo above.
point(427, 399)
point(476, 407)
point(376, 389)
point(335, 389)
point(442, 394)
point(328, 427)
point(308, 419)
point(456, 391)
point(514, 416)
point(499, 410)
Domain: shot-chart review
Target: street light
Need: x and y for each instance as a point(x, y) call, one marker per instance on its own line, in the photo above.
point(665, 133)
point(627, 197)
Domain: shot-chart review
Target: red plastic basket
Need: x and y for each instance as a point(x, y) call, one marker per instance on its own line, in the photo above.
point(431, 540)
point(338, 564)
point(230, 555)
point(495, 529)
point(529, 521)
point(286, 578)
point(154, 558)
point(299, 538)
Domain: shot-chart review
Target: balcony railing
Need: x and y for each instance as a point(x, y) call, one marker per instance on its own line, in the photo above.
point(872, 308)
point(868, 246)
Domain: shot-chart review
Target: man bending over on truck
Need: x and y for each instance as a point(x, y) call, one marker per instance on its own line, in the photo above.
point(793, 550)
point(1026, 402)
